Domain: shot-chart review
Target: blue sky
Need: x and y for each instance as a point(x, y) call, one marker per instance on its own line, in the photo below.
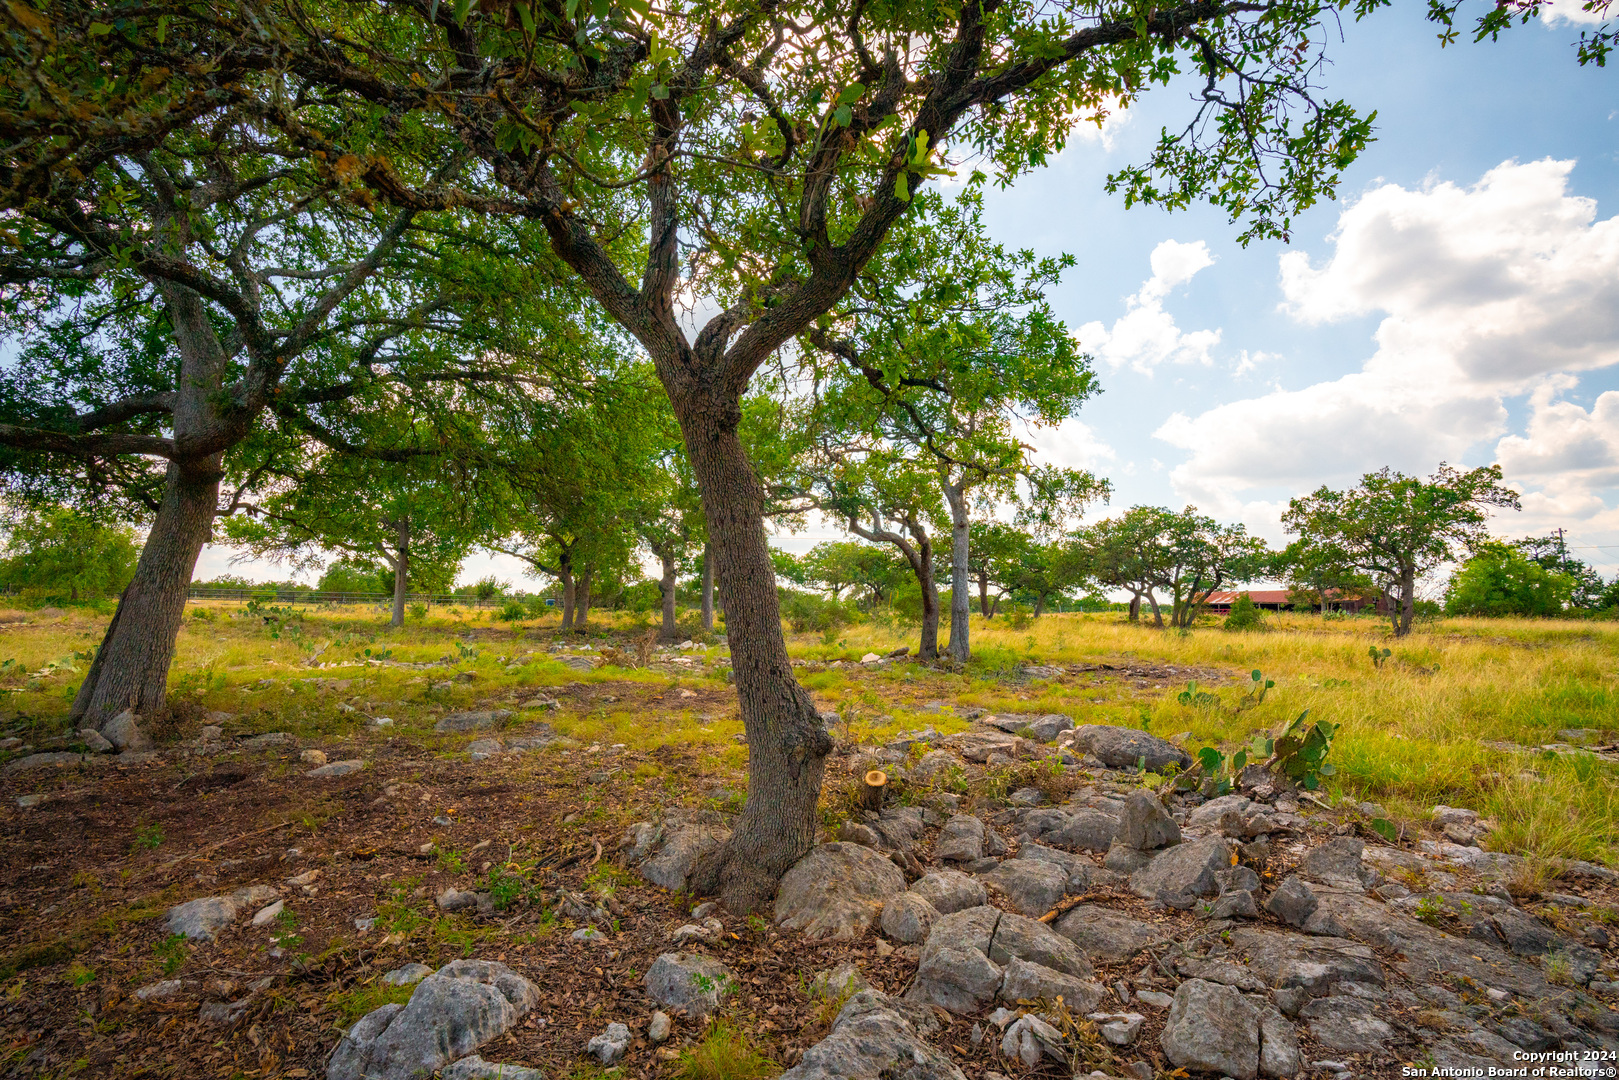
point(1459, 302)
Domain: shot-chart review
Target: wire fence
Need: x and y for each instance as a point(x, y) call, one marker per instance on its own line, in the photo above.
point(281, 595)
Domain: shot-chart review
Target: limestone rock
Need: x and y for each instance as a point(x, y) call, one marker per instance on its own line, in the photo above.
point(676, 857)
point(870, 1036)
point(908, 917)
point(610, 1045)
point(1338, 863)
point(836, 891)
point(124, 732)
point(1106, 935)
point(1293, 902)
point(688, 983)
point(95, 742)
point(337, 768)
point(202, 918)
point(463, 1005)
point(472, 720)
point(950, 891)
point(955, 972)
point(1026, 981)
point(1212, 1028)
point(1279, 1055)
point(1145, 825)
point(961, 840)
point(1027, 939)
point(1034, 887)
point(410, 973)
point(1076, 830)
point(1123, 748)
point(474, 1067)
point(1184, 870)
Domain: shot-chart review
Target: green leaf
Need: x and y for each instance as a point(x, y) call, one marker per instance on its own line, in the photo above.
point(162, 28)
point(901, 188)
point(100, 29)
point(601, 8)
point(660, 91)
point(1255, 676)
point(1385, 828)
point(842, 115)
point(852, 93)
point(462, 7)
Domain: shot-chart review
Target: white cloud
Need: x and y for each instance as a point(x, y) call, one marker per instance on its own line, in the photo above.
point(1575, 11)
point(1146, 335)
point(1497, 284)
point(1487, 293)
point(1070, 444)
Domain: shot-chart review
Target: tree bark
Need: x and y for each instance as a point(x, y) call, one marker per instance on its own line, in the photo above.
point(1157, 615)
point(131, 668)
point(960, 647)
point(983, 595)
point(1039, 604)
point(565, 575)
point(401, 565)
point(1408, 602)
point(787, 743)
point(667, 584)
point(919, 556)
point(581, 599)
point(708, 586)
point(1135, 607)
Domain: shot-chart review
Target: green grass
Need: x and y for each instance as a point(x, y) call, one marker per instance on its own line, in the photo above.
point(725, 1053)
point(354, 1003)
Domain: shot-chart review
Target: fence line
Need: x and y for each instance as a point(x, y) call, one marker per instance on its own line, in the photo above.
point(319, 596)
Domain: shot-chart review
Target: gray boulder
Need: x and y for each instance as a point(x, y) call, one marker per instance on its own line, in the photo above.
point(1106, 935)
point(1212, 1028)
point(1076, 830)
point(1279, 1055)
point(950, 891)
point(1184, 870)
point(1042, 728)
point(1026, 981)
point(1145, 825)
point(474, 1067)
point(95, 742)
point(123, 731)
point(837, 891)
point(1124, 859)
point(672, 861)
point(1338, 863)
point(1026, 939)
point(463, 1005)
point(961, 840)
point(410, 973)
point(908, 917)
point(472, 720)
point(1033, 886)
point(689, 983)
point(610, 1045)
point(337, 768)
point(934, 763)
point(1293, 901)
point(1123, 748)
point(955, 972)
point(870, 1035)
point(203, 917)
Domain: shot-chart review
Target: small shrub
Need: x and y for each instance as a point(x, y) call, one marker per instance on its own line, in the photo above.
point(807, 613)
point(512, 611)
point(149, 836)
point(1245, 615)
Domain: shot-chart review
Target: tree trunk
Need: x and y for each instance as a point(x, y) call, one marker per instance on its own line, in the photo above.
point(960, 591)
point(787, 743)
point(983, 596)
point(1157, 615)
point(667, 584)
point(708, 586)
point(1039, 604)
point(1135, 607)
point(929, 649)
point(131, 668)
point(581, 600)
point(401, 564)
point(566, 576)
point(1408, 602)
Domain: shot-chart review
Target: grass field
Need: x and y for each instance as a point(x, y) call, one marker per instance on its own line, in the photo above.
point(1440, 721)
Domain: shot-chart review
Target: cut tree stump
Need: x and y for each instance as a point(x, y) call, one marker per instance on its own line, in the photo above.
point(872, 789)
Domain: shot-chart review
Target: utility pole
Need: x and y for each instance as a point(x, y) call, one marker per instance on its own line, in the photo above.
point(1562, 550)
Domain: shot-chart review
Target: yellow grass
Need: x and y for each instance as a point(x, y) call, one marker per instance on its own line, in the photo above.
point(1413, 734)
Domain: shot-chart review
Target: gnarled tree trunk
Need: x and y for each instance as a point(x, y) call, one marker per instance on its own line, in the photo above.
point(787, 743)
point(400, 560)
point(131, 668)
point(581, 599)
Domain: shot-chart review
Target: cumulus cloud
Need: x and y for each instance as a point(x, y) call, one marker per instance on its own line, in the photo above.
point(1487, 292)
point(1499, 284)
point(1146, 336)
point(1071, 444)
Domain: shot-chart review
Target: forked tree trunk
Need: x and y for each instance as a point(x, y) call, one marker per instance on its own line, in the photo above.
point(1406, 609)
point(1157, 615)
point(1135, 607)
point(960, 647)
point(983, 597)
point(667, 584)
point(787, 743)
point(929, 649)
point(708, 586)
point(131, 668)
